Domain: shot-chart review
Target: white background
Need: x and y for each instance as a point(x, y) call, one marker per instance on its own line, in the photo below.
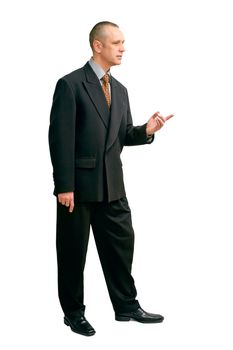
point(179, 188)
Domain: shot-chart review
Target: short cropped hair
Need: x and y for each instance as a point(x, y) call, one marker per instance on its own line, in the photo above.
point(98, 29)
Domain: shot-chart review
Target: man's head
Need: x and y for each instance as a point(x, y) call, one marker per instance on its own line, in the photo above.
point(107, 43)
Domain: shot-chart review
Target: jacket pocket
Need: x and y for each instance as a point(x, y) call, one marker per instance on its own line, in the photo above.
point(86, 162)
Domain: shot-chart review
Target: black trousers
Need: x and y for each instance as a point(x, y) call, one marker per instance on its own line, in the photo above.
point(114, 236)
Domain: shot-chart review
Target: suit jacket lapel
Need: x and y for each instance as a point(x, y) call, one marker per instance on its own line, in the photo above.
point(95, 93)
point(116, 113)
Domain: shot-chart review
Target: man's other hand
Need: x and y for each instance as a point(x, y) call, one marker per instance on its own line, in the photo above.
point(67, 199)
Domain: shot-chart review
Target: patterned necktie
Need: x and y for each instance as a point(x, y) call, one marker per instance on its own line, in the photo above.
point(105, 87)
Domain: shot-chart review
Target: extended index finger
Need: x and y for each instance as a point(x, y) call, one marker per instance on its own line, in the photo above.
point(169, 117)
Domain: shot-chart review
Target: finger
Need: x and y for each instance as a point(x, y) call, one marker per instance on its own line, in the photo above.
point(71, 206)
point(65, 202)
point(155, 115)
point(63, 199)
point(159, 122)
point(169, 117)
point(161, 119)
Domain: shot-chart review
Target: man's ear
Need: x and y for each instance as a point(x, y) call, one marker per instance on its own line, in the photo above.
point(97, 46)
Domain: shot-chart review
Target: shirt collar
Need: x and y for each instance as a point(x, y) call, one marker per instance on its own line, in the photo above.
point(97, 69)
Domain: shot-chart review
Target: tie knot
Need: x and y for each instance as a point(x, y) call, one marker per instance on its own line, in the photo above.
point(106, 78)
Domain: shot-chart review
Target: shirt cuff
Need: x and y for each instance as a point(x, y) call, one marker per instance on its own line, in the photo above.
point(150, 138)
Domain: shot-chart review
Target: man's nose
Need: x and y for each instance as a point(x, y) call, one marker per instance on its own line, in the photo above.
point(122, 48)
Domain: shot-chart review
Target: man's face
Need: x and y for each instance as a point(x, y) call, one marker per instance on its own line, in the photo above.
point(112, 47)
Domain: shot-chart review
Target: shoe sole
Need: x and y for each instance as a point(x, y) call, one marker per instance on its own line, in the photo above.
point(127, 318)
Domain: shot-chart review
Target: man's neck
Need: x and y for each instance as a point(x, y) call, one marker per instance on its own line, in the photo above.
point(103, 65)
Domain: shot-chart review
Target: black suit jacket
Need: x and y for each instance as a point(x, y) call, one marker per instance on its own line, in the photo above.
point(86, 139)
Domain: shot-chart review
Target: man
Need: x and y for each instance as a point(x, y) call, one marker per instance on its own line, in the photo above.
point(90, 123)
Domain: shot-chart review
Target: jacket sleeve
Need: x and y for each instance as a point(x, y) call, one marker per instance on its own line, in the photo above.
point(136, 135)
point(62, 137)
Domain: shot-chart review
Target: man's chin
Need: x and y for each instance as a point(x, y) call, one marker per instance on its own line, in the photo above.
point(116, 63)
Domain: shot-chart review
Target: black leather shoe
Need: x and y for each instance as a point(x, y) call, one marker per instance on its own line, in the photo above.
point(80, 325)
point(139, 315)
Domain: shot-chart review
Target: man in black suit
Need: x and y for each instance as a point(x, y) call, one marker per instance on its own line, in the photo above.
point(89, 125)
